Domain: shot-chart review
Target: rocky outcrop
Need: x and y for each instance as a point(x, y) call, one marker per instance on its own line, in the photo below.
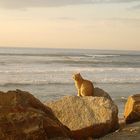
point(23, 117)
point(132, 109)
point(86, 116)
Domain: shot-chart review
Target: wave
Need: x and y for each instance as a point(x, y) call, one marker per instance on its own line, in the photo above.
point(71, 70)
point(43, 54)
point(103, 55)
point(75, 62)
point(31, 84)
point(12, 84)
point(119, 82)
point(65, 54)
point(81, 59)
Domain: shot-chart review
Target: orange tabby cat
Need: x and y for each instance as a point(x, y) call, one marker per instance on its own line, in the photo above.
point(84, 87)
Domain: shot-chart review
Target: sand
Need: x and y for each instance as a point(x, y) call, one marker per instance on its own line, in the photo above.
point(128, 132)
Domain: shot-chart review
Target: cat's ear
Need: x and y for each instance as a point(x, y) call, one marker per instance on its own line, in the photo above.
point(79, 74)
point(75, 73)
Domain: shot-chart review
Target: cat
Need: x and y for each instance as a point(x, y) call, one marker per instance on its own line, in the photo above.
point(84, 87)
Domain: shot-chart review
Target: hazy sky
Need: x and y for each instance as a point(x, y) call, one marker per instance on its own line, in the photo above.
point(97, 24)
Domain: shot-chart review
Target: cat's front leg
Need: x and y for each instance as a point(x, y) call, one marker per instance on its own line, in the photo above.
point(79, 93)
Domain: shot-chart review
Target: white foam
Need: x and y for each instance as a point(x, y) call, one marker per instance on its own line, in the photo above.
point(64, 75)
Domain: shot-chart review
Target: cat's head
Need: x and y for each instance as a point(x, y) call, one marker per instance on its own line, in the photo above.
point(77, 76)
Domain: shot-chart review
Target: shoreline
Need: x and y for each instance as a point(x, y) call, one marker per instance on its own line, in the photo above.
point(126, 131)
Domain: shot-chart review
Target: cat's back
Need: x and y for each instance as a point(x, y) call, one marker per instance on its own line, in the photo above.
point(87, 83)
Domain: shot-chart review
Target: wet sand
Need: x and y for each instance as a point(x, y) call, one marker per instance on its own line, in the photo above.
point(127, 131)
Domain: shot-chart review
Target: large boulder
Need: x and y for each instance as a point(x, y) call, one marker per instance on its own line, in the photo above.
point(86, 116)
point(23, 117)
point(132, 109)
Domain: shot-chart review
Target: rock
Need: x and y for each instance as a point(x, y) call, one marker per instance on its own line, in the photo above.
point(132, 109)
point(23, 117)
point(101, 93)
point(86, 116)
point(129, 132)
point(60, 138)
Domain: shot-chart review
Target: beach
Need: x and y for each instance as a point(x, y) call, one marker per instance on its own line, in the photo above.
point(47, 73)
point(130, 131)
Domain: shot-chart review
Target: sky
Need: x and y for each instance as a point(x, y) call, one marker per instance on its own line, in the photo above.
point(95, 24)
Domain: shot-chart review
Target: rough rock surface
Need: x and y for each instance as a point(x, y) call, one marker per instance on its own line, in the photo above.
point(132, 109)
point(86, 116)
point(129, 132)
point(23, 117)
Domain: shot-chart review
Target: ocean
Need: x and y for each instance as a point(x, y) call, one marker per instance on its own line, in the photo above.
point(47, 73)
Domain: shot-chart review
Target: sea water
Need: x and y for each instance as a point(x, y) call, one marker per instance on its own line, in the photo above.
point(47, 73)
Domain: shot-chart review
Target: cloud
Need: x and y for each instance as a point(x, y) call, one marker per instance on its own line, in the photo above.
point(47, 3)
point(124, 19)
point(136, 7)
